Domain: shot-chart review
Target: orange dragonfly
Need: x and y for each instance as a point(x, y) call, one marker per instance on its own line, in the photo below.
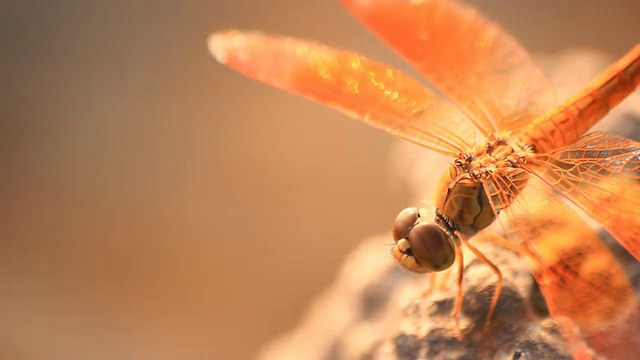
point(494, 112)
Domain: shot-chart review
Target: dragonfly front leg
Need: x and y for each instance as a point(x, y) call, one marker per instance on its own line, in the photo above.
point(458, 306)
point(496, 270)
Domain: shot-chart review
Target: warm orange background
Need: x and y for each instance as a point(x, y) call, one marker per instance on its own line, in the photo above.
point(157, 206)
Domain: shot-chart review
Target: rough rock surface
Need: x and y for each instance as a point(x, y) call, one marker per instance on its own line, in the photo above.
point(375, 310)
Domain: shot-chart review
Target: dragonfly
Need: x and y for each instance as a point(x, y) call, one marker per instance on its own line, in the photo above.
point(491, 109)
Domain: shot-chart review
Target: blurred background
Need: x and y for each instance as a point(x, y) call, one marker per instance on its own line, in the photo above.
point(155, 205)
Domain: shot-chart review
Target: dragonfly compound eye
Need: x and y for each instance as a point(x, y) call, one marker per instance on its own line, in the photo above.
point(431, 247)
point(405, 221)
point(421, 247)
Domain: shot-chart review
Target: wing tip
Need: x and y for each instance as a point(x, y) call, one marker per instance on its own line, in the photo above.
point(223, 43)
point(217, 44)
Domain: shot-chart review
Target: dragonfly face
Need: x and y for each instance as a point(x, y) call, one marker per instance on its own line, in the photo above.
point(420, 246)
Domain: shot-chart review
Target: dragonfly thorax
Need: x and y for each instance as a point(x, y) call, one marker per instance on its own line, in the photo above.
point(469, 194)
point(497, 154)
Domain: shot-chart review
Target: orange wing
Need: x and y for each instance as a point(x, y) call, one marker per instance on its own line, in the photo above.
point(600, 173)
point(369, 91)
point(469, 59)
point(586, 290)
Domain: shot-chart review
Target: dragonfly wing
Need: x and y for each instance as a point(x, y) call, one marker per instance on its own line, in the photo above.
point(371, 92)
point(585, 288)
point(600, 173)
point(469, 59)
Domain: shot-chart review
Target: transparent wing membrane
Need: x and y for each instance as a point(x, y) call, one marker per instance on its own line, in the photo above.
point(600, 173)
point(469, 59)
point(585, 288)
point(369, 91)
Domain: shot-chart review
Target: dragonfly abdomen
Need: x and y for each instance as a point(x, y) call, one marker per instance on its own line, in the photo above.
point(564, 124)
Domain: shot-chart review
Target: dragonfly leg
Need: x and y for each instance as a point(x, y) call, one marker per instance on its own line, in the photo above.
point(458, 306)
point(432, 284)
point(443, 278)
point(494, 268)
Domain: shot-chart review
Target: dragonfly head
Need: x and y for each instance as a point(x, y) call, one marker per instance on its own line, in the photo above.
point(420, 246)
